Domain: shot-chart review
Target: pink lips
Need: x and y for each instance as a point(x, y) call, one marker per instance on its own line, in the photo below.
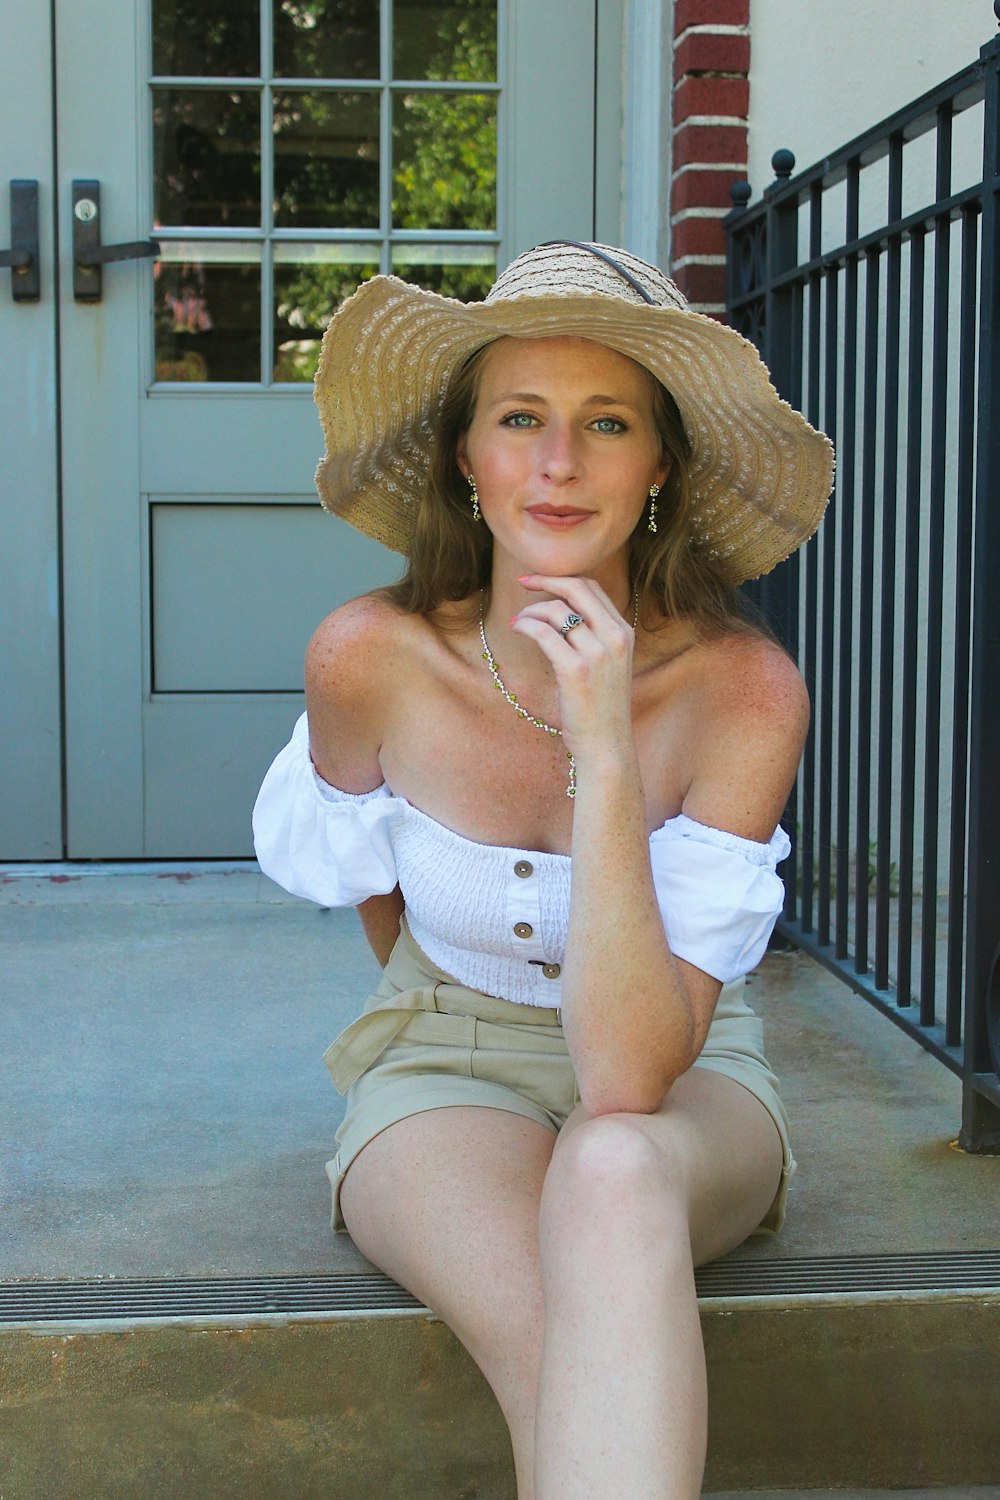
point(558, 516)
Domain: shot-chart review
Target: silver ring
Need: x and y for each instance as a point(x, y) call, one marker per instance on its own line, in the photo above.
point(570, 623)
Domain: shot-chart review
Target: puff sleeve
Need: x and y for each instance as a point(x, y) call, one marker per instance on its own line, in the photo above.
point(332, 847)
point(719, 895)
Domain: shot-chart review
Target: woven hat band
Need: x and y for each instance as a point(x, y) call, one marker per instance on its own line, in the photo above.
point(608, 260)
point(567, 268)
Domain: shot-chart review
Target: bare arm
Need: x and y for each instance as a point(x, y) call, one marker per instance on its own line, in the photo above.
point(636, 1016)
point(344, 696)
point(380, 917)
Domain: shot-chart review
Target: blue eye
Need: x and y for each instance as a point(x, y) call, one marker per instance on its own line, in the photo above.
point(518, 419)
point(609, 425)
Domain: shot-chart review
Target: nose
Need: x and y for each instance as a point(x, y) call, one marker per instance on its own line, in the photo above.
point(559, 457)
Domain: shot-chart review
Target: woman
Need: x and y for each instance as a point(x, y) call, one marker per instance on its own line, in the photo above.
point(557, 1102)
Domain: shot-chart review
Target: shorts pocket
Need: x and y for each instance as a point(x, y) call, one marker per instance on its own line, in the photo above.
point(545, 1077)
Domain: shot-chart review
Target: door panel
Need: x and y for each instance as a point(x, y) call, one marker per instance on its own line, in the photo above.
point(236, 590)
point(203, 755)
point(276, 164)
point(209, 634)
point(30, 742)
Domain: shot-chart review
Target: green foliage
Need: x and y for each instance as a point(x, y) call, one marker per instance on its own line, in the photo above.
point(445, 144)
point(873, 870)
point(444, 177)
point(871, 874)
point(444, 173)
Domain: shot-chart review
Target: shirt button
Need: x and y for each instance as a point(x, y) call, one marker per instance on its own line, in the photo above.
point(551, 971)
point(523, 869)
point(523, 929)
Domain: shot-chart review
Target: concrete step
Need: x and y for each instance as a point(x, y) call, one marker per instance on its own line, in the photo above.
point(375, 1396)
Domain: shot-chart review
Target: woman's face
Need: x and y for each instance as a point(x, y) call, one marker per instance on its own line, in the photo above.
point(564, 448)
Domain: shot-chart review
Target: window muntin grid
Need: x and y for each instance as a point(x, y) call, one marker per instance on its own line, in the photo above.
point(276, 192)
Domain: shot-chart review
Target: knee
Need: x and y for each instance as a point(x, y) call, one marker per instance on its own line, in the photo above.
point(608, 1174)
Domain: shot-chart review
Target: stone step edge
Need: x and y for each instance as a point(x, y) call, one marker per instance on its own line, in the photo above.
point(279, 1298)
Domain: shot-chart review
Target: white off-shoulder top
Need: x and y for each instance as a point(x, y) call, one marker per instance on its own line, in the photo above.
point(494, 917)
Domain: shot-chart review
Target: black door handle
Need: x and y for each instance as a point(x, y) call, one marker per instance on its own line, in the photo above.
point(22, 257)
point(89, 255)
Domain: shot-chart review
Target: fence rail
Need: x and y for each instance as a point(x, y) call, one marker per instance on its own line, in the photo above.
point(871, 285)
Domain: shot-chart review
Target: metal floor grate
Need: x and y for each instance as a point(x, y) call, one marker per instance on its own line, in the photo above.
point(199, 1297)
point(927, 1271)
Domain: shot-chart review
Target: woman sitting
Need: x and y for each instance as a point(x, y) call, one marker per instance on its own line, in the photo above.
point(548, 768)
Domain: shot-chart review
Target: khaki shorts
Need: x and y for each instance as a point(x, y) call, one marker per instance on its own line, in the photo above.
point(425, 1042)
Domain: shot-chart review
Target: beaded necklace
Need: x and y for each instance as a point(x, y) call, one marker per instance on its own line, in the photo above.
point(511, 698)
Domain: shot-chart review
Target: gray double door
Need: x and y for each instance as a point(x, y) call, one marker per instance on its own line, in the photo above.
point(164, 560)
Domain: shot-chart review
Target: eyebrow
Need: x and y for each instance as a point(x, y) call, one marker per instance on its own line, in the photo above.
point(533, 397)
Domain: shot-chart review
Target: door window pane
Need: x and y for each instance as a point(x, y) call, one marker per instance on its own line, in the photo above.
point(326, 160)
point(326, 39)
point(206, 306)
point(444, 161)
point(445, 39)
point(310, 282)
point(206, 157)
point(463, 271)
point(199, 38)
point(253, 309)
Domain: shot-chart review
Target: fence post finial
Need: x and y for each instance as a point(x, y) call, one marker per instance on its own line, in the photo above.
point(996, 10)
point(741, 191)
point(783, 161)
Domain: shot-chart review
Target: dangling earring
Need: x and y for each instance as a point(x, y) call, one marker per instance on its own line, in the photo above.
point(475, 498)
point(654, 490)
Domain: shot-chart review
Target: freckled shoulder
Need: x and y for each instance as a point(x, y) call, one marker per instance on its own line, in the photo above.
point(352, 662)
point(748, 676)
point(753, 713)
point(351, 648)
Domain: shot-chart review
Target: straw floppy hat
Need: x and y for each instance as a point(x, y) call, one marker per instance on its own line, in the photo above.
point(759, 473)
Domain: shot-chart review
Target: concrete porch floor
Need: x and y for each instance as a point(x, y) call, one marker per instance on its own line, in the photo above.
point(170, 1112)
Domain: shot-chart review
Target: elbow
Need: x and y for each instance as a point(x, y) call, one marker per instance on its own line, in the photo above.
point(617, 1079)
point(620, 1104)
point(631, 1097)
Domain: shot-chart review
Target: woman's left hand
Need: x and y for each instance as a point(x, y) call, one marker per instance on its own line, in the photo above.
point(592, 660)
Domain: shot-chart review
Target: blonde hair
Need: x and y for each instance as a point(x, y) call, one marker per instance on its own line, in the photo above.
point(451, 554)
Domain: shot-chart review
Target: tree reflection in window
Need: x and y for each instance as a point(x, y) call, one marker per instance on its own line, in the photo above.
point(329, 170)
point(443, 177)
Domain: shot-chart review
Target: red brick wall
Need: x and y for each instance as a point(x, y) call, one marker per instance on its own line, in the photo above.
point(711, 102)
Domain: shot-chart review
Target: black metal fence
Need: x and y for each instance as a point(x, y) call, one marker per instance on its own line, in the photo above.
point(871, 286)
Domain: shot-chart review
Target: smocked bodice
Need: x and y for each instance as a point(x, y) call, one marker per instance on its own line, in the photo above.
point(495, 917)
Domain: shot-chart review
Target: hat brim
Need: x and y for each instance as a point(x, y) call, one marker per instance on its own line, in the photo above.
point(760, 474)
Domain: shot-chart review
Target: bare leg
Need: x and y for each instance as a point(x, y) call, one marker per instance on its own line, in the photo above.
point(631, 1203)
point(446, 1202)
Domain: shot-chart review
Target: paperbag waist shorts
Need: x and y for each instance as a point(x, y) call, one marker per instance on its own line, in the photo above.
point(423, 1041)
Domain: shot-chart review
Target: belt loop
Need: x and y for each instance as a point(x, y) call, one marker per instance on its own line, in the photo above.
point(434, 995)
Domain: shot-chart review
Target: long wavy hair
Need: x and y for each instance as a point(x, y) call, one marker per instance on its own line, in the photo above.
point(452, 553)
